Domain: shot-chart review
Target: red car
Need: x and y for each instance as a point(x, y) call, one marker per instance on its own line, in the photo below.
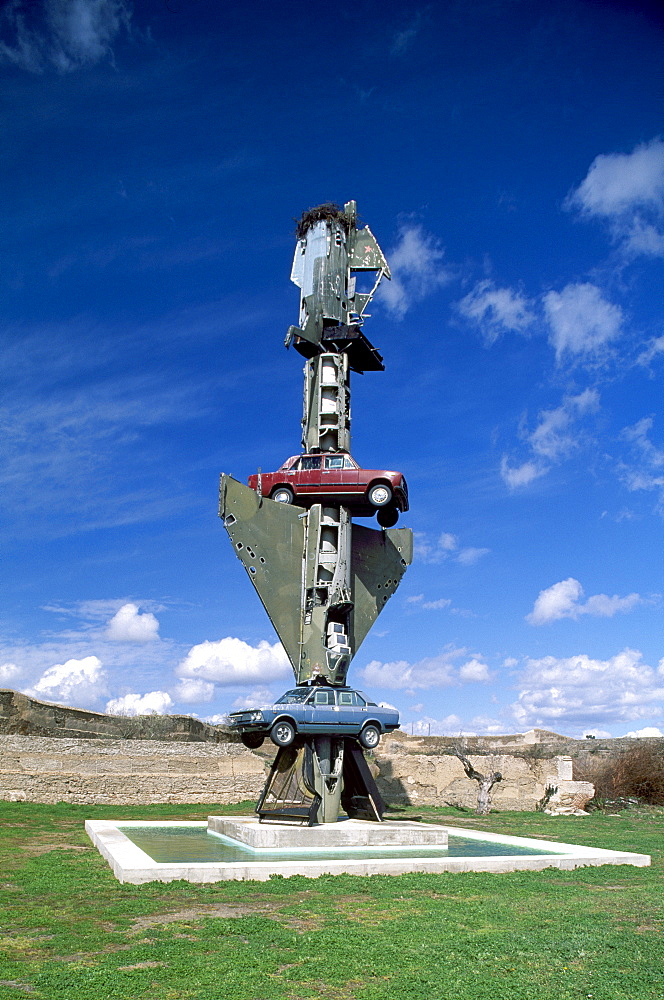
point(336, 478)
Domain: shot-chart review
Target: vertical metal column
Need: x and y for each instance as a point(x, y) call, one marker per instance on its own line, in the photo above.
point(326, 596)
point(326, 411)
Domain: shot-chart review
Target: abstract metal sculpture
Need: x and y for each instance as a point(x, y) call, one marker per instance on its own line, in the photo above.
point(322, 578)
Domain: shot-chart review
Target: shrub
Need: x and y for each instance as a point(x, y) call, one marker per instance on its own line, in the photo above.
point(637, 773)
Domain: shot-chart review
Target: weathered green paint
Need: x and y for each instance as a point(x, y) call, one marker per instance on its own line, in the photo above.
point(280, 547)
point(365, 254)
point(268, 539)
point(379, 560)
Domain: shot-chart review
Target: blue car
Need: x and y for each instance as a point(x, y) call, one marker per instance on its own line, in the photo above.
point(316, 711)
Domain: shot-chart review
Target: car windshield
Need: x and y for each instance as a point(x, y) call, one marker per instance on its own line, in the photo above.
point(294, 696)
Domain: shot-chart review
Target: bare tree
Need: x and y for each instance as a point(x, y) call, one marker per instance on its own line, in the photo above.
point(486, 783)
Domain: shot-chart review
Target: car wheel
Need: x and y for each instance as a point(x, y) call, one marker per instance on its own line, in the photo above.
point(282, 733)
point(387, 517)
point(253, 740)
point(370, 737)
point(283, 494)
point(380, 495)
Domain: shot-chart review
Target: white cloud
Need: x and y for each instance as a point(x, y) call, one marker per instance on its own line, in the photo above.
point(417, 270)
point(218, 719)
point(581, 321)
point(403, 40)
point(433, 671)
point(617, 182)
point(232, 661)
point(474, 670)
point(63, 34)
point(442, 602)
point(128, 625)
point(445, 547)
point(520, 475)
point(152, 703)
point(554, 438)
point(471, 555)
point(192, 690)
point(496, 310)
point(654, 348)
point(646, 469)
point(581, 691)
point(9, 672)
point(256, 697)
point(453, 725)
point(74, 682)
point(562, 600)
point(551, 438)
point(647, 731)
point(626, 190)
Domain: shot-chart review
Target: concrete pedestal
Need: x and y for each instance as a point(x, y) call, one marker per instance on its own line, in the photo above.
point(346, 833)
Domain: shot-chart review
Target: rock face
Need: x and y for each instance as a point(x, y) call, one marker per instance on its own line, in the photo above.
point(24, 716)
point(570, 797)
point(126, 772)
point(407, 774)
point(133, 772)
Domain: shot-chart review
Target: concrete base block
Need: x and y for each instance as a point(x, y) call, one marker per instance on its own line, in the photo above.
point(347, 833)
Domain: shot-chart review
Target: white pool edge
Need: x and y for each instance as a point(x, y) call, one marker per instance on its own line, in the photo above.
point(132, 865)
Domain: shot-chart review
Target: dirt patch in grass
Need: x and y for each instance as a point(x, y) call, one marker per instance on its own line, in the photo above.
point(347, 991)
point(142, 965)
point(36, 849)
point(223, 911)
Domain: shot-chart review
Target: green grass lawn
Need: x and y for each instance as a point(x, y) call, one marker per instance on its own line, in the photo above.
point(70, 930)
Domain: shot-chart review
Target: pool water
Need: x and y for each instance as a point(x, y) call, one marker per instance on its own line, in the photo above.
point(182, 844)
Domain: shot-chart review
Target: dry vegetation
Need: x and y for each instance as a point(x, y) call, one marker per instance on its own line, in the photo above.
point(635, 774)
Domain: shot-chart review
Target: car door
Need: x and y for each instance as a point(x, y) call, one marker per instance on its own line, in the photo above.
point(352, 711)
point(321, 711)
point(309, 475)
point(332, 475)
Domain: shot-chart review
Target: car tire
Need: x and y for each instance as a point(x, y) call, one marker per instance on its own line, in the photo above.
point(370, 737)
point(379, 495)
point(283, 494)
point(252, 740)
point(282, 733)
point(387, 517)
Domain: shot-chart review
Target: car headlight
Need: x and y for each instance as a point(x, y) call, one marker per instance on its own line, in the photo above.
point(255, 717)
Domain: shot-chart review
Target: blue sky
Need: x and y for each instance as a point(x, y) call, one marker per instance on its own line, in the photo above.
point(509, 157)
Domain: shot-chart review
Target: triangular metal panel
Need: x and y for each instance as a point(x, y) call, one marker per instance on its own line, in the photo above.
point(379, 560)
point(268, 539)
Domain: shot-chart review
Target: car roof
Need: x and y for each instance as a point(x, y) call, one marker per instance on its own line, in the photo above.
point(323, 687)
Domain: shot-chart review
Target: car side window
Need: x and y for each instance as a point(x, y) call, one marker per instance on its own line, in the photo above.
point(310, 462)
point(334, 462)
point(324, 698)
point(349, 463)
point(346, 698)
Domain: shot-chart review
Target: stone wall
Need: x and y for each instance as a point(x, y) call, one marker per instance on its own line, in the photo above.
point(421, 772)
point(135, 772)
point(21, 715)
point(126, 772)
